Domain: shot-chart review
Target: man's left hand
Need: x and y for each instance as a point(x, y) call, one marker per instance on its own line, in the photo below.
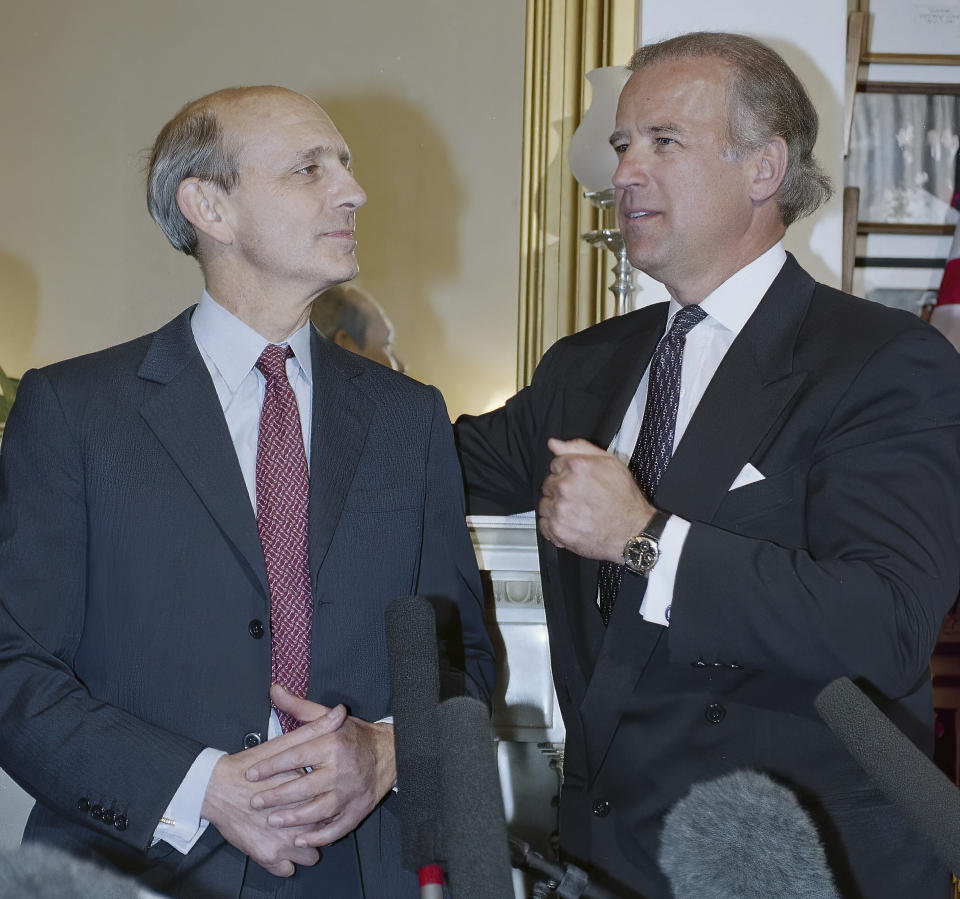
point(348, 771)
point(590, 502)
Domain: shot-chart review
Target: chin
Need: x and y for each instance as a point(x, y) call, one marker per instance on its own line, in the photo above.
point(344, 271)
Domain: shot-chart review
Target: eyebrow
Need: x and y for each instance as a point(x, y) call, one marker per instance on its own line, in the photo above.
point(666, 128)
point(322, 150)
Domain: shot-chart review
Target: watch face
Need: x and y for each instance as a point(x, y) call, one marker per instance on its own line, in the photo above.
point(641, 554)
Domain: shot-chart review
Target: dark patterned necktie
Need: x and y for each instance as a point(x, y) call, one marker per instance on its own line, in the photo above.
point(282, 497)
point(655, 441)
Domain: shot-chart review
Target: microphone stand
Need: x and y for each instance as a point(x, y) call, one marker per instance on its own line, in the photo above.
point(565, 881)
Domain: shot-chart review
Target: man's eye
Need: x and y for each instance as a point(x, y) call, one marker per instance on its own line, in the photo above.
point(307, 170)
point(665, 141)
point(619, 149)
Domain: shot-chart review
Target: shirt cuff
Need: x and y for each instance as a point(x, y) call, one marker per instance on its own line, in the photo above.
point(387, 720)
point(181, 825)
point(658, 596)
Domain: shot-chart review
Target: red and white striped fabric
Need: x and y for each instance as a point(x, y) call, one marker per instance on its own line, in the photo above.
point(946, 314)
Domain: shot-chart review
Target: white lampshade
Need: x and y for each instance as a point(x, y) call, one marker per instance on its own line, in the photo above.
point(592, 159)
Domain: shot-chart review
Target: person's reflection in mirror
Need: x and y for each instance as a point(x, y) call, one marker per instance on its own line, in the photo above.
point(353, 319)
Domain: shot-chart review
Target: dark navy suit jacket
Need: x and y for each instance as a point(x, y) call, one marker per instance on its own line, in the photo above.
point(842, 561)
point(132, 582)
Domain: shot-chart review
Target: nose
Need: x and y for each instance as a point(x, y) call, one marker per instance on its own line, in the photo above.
point(631, 170)
point(353, 195)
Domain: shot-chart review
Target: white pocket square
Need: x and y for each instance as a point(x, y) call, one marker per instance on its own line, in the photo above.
point(748, 475)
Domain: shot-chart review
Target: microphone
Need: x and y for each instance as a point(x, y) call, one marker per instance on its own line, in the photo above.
point(44, 872)
point(414, 700)
point(894, 763)
point(474, 827)
point(742, 836)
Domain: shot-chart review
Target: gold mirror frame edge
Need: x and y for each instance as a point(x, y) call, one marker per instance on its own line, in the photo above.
point(562, 285)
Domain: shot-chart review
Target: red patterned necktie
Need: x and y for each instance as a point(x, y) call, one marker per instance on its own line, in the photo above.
point(282, 496)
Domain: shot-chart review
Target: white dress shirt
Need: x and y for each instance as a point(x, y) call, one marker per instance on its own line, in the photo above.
point(230, 350)
point(728, 309)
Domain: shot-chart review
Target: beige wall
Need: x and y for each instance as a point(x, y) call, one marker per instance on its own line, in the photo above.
point(427, 92)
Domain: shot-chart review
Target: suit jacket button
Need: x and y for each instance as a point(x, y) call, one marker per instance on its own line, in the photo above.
point(108, 816)
point(714, 713)
point(252, 739)
point(601, 808)
point(255, 628)
point(96, 812)
point(83, 805)
point(120, 822)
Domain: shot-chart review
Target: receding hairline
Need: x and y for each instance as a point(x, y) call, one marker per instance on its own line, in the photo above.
point(236, 97)
point(236, 109)
point(726, 69)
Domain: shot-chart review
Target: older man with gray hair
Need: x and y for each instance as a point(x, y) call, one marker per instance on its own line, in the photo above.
point(200, 531)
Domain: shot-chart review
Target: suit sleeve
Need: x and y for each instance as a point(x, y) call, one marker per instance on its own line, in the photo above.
point(498, 450)
point(69, 749)
point(448, 570)
point(866, 595)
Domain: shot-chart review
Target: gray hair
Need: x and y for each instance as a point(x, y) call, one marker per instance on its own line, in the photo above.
point(767, 100)
point(337, 308)
point(191, 145)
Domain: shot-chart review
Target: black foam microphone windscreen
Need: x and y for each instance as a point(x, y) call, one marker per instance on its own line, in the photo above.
point(414, 699)
point(743, 836)
point(896, 765)
point(474, 830)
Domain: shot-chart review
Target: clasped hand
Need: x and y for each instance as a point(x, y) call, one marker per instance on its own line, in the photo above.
point(307, 788)
point(590, 502)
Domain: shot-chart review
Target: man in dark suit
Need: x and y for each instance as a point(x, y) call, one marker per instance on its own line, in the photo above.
point(741, 494)
point(223, 505)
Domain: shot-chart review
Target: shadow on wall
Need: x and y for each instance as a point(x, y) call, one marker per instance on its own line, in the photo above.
point(19, 304)
point(408, 233)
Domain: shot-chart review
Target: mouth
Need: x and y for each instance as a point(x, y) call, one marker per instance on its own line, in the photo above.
point(345, 234)
point(638, 214)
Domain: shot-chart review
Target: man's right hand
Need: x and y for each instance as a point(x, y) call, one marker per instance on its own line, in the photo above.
point(226, 805)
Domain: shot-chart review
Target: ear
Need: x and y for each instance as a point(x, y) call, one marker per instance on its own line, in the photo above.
point(199, 202)
point(342, 338)
point(771, 166)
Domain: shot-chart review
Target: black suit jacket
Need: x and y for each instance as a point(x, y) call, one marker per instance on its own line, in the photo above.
point(842, 561)
point(132, 584)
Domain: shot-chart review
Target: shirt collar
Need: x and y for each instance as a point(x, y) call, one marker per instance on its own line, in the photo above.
point(734, 301)
point(234, 346)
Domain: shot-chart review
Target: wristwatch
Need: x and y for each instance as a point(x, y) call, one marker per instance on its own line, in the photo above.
point(641, 552)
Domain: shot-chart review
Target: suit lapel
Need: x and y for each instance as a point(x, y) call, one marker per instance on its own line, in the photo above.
point(341, 417)
point(595, 414)
point(184, 413)
point(749, 393)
